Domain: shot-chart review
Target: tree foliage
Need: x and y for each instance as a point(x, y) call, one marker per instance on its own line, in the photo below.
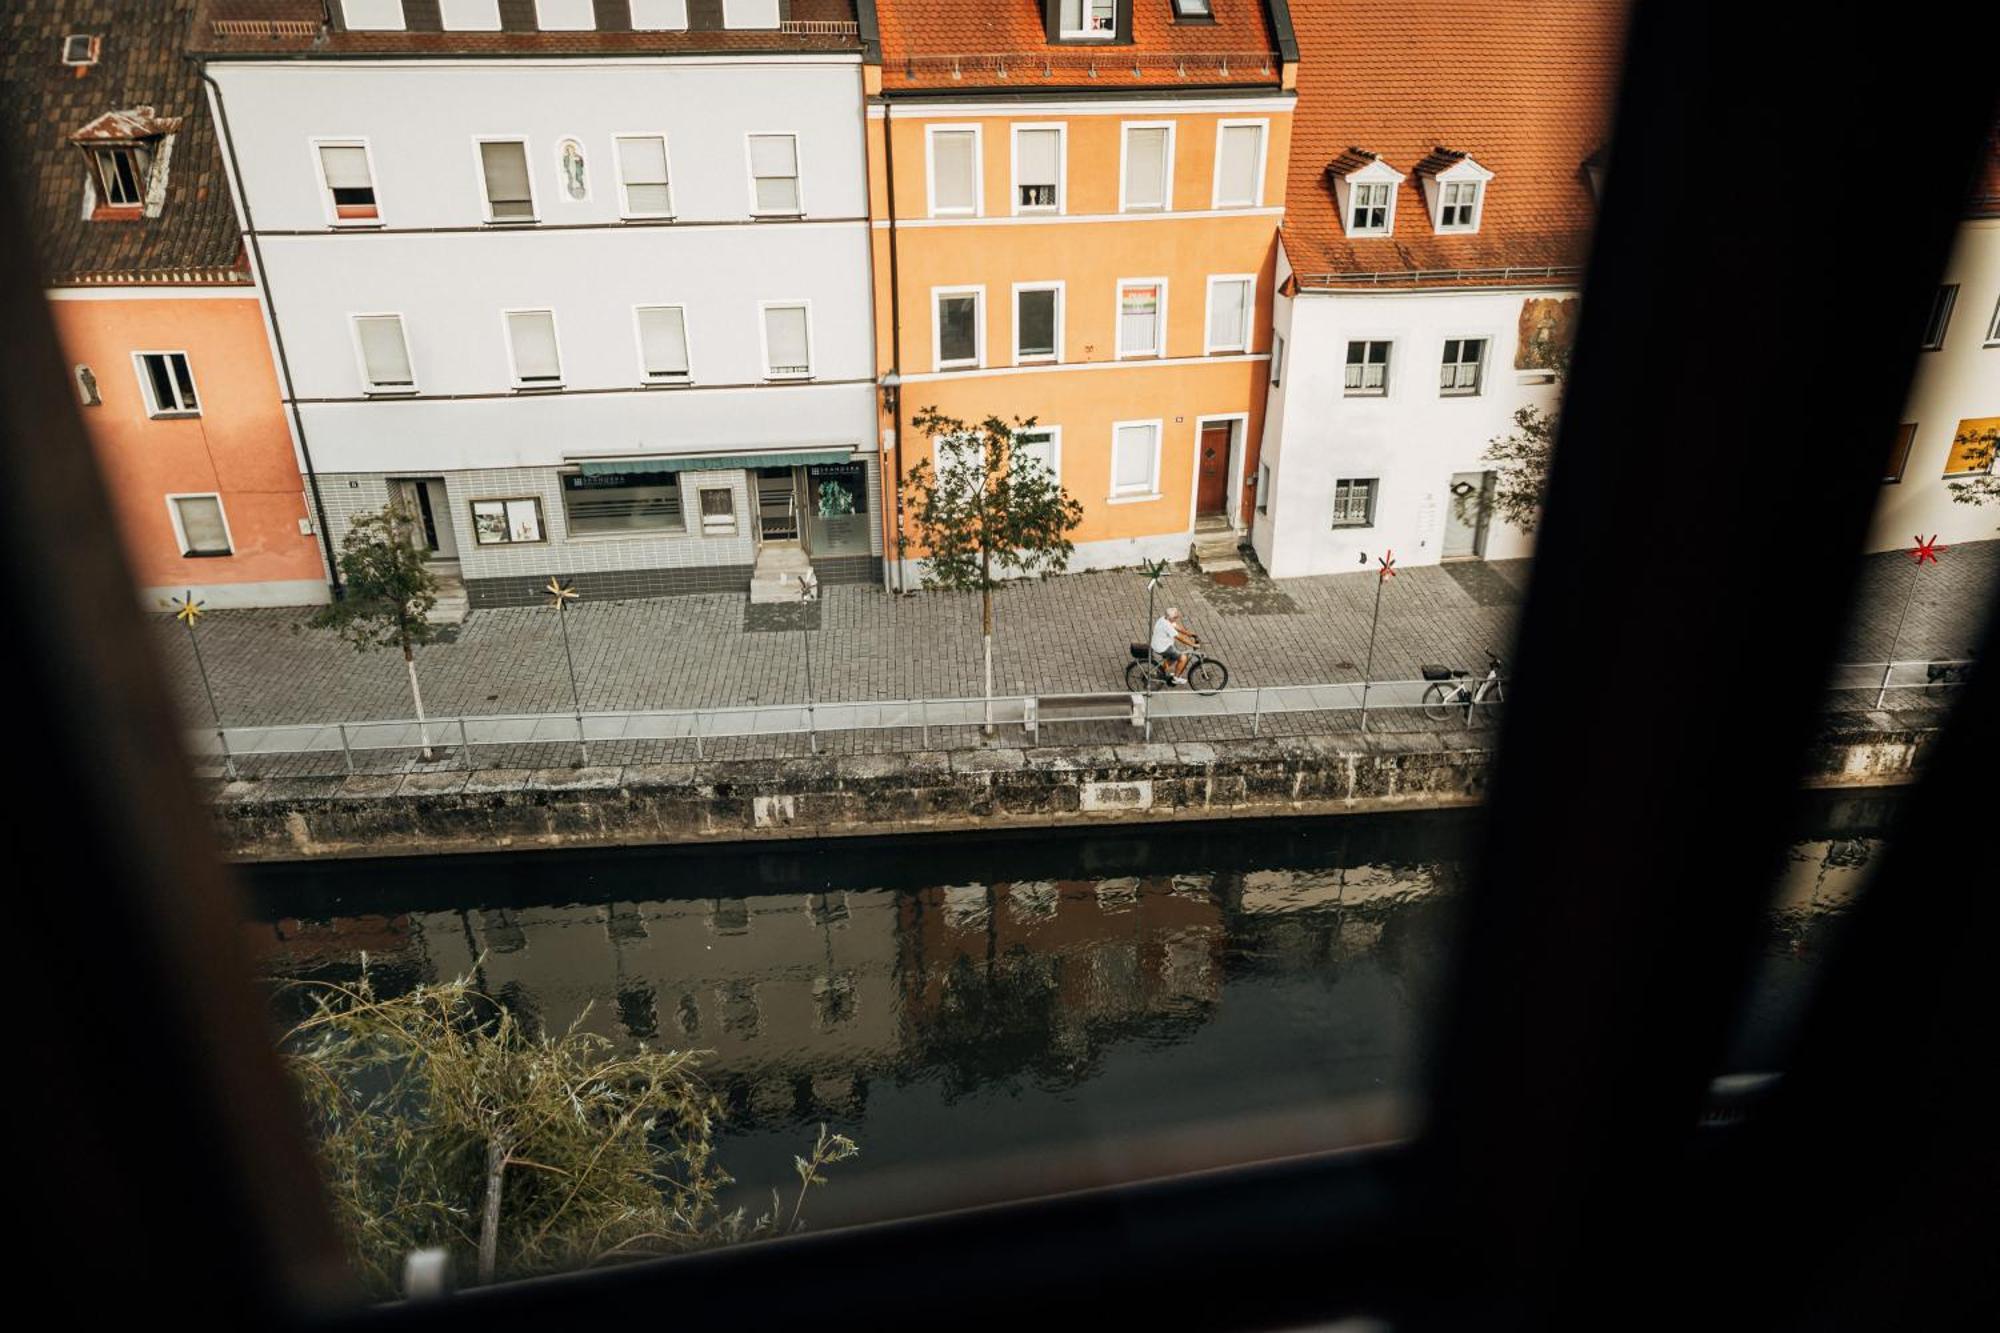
point(1521, 460)
point(983, 512)
point(389, 590)
point(1974, 451)
point(442, 1121)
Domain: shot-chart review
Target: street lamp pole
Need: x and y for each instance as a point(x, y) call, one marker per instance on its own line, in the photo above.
point(1387, 571)
point(560, 596)
point(187, 611)
point(808, 594)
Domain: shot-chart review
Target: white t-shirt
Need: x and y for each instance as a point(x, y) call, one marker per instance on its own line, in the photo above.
point(1163, 634)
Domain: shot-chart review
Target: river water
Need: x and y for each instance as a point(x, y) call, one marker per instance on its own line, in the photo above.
point(996, 1016)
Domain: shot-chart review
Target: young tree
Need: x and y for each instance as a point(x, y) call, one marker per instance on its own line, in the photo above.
point(390, 593)
point(1973, 449)
point(986, 511)
point(1522, 459)
point(442, 1122)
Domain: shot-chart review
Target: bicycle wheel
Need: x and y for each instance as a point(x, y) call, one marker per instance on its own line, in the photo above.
point(1438, 703)
point(1208, 676)
point(1486, 707)
point(1139, 678)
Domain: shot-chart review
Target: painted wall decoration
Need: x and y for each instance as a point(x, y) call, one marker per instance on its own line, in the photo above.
point(575, 181)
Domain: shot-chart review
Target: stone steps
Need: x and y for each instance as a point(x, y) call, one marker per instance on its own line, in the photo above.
point(1215, 551)
point(776, 577)
point(452, 604)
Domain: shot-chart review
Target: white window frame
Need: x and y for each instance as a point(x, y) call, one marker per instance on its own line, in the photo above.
point(1374, 502)
point(1993, 327)
point(1166, 165)
point(1055, 446)
point(931, 133)
point(1249, 280)
point(154, 411)
point(1256, 200)
point(1444, 189)
point(541, 519)
point(1263, 488)
point(333, 218)
point(1061, 289)
point(373, 15)
point(479, 180)
point(1485, 341)
point(625, 209)
point(764, 337)
point(1277, 358)
point(1061, 205)
point(1388, 226)
point(445, 22)
point(1389, 368)
point(701, 512)
point(639, 343)
point(1117, 496)
point(1087, 34)
point(1947, 297)
point(555, 335)
point(674, 27)
point(1159, 352)
point(369, 386)
point(978, 295)
point(750, 176)
point(743, 25)
point(180, 530)
point(589, 14)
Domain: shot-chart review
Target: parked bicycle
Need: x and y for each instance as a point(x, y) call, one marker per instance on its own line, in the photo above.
point(1205, 675)
point(1452, 690)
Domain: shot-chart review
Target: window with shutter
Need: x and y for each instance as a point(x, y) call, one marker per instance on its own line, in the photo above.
point(954, 172)
point(1899, 453)
point(1135, 458)
point(749, 13)
point(504, 165)
point(565, 15)
point(663, 352)
point(385, 355)
point(532, 336)
point(774, 173)
point(642, 173)
point(659, 15)
point(1139, 317)
point(469, 15)
point(1146, 168)
point(1037, 170)
point(787, 342)
point(1239, 166)
point(1228, 314)
point(202, 529)
point(350, 186)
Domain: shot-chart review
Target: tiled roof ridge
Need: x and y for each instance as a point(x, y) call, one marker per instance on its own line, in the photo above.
point(1439, 159)
point(1351, 160)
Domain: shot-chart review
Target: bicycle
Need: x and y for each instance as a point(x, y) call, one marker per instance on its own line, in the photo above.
point(1448, 693)
point(1205, 675)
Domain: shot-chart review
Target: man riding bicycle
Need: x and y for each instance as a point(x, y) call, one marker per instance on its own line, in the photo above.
point(1169, 635)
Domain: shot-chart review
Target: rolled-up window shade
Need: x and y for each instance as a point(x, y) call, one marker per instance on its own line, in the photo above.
point(953, 168)
point(506, 166)
point(1037, 153)
point(533, 333)
point(1225, 315)
point(201, 524)
point(346, 167)
point(785, 335)
point(1146, 168)
point(1132, 468)
point(1139, 319)
point(383, 350)
point(663, 341)
point(1242, 145)
point(773, 155)
point(642, 164)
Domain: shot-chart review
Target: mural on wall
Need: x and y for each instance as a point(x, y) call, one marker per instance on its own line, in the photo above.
point(1548, 326)
point(576, 186)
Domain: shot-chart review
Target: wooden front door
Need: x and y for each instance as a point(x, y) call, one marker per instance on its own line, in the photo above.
point(1212, 489)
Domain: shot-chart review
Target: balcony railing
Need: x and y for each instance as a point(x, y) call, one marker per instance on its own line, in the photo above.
point(1109, 63)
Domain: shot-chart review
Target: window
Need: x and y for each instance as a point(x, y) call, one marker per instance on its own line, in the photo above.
point(1354, 503)
point(507, 522)
point(531, 336)
point(503, 167)
point(1239, 165)
point(954, 175)
point(80, 49)
point(1193, 9)
point(663, 347)
point(1368, 369)
point(350, 184)
point(718, 511)
point(1899, 453)
point(565, 15)
point(1459, 372)
point(373, 15)
point(1940, 319)
point(1039, 448)
point(749, 13)
point(1460, 210)
point(1141, 316)
point(1145, 172)
point(774, 174)
point(169, 384)
point(1135, 459)
point(787, 342)
point(1263, 488)
point(1038, 154)
point(120, 175)
point(1230, 302)
point(659, 15)
point(1038, 321)
point(469, 15)
point(1092, 20)
point(385, 354)
point(956, 326)
point(1370, 213)
point(1993, 329)
point(1277, 357)
point(1973, 446)
point(199, 524)
point(622, 502)
point(642, 176)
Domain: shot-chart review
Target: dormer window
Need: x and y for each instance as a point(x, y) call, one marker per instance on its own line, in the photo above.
point(1593, 170)
point(126, 154)
point(1194, 10)
point(1454, 189)
point(80, 50)
point(119, 174)
point(1364, 188)
point(1088, 20)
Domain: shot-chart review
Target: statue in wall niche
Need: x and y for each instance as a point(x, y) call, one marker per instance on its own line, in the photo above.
point(574, 185)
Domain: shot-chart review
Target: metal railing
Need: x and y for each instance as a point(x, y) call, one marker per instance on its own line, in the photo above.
point(1106, 62)
point(1250, 708)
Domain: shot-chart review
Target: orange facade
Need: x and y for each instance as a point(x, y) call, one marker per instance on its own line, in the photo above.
point(1100, 252)
point(233, 445)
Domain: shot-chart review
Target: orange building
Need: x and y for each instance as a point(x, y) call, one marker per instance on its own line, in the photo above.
point(155, 306)
point(1075, 207)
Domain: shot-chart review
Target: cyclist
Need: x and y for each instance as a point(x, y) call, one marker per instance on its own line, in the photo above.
point(1168, 637)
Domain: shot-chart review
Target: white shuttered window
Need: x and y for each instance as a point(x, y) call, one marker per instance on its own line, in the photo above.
point(642, 171)
point(505, 165)
point(1240, 154)
point(385, 356)
point(787, 343)
point(202, 529)
point(1228, 314)
point(774, 172)
point(663, 350)
point(532, 336)
point(1145, 169)
point(1037, 170)
point(954, 172)
point(1133, 455)
point(659, 15)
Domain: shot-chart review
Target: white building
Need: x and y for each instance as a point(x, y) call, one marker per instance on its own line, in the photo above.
point(586, 284)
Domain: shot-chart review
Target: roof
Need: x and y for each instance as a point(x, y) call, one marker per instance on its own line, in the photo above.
point(1985, 196)
point(247, 29)
point(139, 86)
point(959, 45)
point(1526, 91)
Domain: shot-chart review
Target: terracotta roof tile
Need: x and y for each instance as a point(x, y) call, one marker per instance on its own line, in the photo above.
point(1351, 160)
point(46, 103)
point(1440, 159)
point(939, 44)
point(1525, 87)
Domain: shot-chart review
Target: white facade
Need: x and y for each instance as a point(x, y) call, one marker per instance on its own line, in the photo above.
point(1411, 440)
point(427, 249)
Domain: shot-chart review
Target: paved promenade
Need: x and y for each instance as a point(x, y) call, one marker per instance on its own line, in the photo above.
point(1063, 635)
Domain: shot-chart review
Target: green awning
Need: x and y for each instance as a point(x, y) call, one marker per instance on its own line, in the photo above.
point(599, 467)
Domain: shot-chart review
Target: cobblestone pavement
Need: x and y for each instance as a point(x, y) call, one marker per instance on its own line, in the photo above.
point(1064, 634)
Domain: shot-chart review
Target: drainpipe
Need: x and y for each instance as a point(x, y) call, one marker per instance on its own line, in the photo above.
point(895, 325)
point(277, 335)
